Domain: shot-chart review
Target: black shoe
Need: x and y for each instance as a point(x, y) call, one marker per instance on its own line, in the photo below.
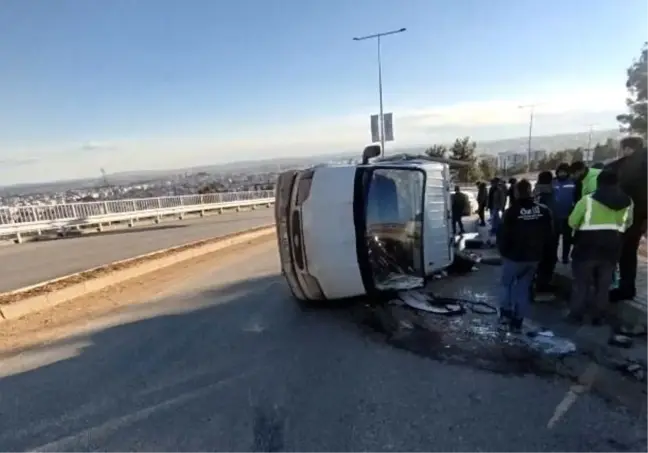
point(544, 288)
point(617, 295)
point(574, 318)
point(516, 325)
point(597, 320)
point(505, 318)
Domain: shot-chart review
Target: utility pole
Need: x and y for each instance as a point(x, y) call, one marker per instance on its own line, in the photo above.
point(381, 118)
point(531, 108)
point(590, 153)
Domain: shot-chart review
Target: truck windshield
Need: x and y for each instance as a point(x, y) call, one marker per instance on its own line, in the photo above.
point(394, 222)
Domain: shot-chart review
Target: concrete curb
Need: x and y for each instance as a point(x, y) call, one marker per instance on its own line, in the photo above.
point(128, 269)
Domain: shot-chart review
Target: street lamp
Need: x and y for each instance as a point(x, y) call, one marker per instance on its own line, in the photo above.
point(531, 108)
point(381, 118)
point(590, 154)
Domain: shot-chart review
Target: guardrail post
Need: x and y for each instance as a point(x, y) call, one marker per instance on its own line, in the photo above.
point(18, 239)
point(99, 228)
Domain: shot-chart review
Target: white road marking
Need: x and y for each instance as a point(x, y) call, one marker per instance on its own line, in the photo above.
point(584, 383)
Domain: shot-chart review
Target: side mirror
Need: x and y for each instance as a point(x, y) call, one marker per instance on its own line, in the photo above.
point(369, 152)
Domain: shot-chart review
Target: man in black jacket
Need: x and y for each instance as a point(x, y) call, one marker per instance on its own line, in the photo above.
point(522, 238)
point(482, 202)
point(510, 193)
point(631, 171)
point(459, 204)
point(544, 195)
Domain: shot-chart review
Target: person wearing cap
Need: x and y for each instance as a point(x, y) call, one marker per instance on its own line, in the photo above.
point(585, 178)
point(544, 195)
point(598, 220)
point(564, 200)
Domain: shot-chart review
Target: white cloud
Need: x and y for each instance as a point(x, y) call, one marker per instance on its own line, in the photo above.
point(492, 119)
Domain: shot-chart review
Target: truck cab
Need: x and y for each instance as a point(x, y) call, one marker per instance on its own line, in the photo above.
point(355, 229)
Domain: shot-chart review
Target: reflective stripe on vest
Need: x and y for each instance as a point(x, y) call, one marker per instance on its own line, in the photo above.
point(587, 222)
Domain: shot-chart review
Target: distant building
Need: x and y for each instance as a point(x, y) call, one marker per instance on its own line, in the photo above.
point(489, 158)
point(516, 158)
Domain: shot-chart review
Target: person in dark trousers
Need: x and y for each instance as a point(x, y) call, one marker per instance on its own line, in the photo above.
point(632, 170)
point(598, 220)
point(510, 193)
point(522, 238)
point(482, 202)
point(564, 195)
point(544, 195)
point(459, 203)
point(496, 203)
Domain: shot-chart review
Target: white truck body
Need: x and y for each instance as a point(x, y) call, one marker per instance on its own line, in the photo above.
point(351, 230)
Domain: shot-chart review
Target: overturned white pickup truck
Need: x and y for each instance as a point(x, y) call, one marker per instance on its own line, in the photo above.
point(350, 230)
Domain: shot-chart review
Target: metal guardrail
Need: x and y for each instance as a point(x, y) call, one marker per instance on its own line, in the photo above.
point(34, 218)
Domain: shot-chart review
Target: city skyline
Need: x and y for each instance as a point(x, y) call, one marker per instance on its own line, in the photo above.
point(166, 84)
point(493, 148)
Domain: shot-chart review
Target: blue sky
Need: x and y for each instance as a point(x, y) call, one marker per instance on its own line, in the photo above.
point(149, 84)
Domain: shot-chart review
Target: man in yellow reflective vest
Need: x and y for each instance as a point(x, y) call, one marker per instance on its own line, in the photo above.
point(598, 220)
point(586, 178)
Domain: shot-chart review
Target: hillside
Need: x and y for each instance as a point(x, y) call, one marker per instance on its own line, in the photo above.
point(547, 142)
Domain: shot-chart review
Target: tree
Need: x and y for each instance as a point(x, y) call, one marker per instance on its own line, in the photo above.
point(464, 150)
point(605, 151)
point(437, 151)
point(635, 120)
point(487, 169)
point(213, 187)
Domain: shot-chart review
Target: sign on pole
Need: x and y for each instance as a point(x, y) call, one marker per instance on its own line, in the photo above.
point(375, 129)
point(389, 127)
point(588, 155)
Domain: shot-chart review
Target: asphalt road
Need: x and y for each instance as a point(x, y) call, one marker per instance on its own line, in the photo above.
point(34, 262)
point(232, 364)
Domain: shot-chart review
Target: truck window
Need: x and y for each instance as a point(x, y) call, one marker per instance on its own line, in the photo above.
point(394, 228)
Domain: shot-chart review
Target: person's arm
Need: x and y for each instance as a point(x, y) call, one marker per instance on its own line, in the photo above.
point(550, 227)
point(630, 218)
point(505, 231)
point(578, 191)
point(577, 215)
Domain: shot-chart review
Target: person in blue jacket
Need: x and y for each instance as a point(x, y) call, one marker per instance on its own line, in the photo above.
point(564, 200)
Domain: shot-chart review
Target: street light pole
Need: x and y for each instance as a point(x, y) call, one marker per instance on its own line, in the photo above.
point(531, 108)
point(381, 117)
point(590, 154)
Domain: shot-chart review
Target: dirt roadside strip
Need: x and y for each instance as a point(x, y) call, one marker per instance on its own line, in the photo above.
point(17, 303)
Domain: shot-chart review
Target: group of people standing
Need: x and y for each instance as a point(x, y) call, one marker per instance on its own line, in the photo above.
point(600, 214)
